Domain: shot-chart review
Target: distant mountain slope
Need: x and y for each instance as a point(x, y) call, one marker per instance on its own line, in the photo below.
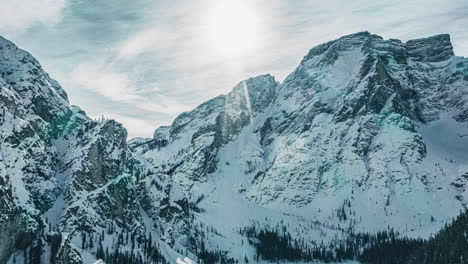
point(365, 135)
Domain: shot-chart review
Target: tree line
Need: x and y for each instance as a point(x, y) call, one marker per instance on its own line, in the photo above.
point(448, 246)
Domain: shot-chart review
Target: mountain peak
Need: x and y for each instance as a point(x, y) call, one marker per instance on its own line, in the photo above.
point(343, 43)
point(362, 35)
point(431, 49)
point(24, 74)
point(256, 93)
point(257, 82)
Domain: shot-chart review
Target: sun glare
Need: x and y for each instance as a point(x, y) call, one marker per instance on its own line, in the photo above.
point(233, 28)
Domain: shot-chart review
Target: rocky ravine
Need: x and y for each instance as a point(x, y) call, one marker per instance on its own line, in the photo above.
point(366, 133)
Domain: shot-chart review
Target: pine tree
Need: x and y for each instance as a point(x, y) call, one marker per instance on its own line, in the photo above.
point(36, 252)
point(83, 240)
point(91, 241)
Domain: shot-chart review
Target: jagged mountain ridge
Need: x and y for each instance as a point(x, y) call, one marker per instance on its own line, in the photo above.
point(356, 89)
point(357, 123)
point(349, 139)
point(61, 172)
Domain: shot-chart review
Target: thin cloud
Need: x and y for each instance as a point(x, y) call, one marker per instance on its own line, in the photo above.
point(18, 15)
point(144, 41)
point(104, 79)
point(165, 105)
point(99, 78)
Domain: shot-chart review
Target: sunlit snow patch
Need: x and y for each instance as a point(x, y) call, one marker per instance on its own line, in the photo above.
point(185, 261)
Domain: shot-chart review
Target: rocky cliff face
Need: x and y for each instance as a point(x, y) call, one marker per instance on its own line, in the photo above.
point(30, 103)
point(352, 110)
point(351, 134)
point(365, 133)
point(62, 173)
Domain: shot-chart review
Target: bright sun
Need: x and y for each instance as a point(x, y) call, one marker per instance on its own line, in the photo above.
point(233, 28)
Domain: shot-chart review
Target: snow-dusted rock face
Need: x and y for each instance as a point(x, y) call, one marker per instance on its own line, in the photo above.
point(351, 119)
point(33, 111)
point(60, 172)
point(364, 134)
point(355, 124)
point(189, 146)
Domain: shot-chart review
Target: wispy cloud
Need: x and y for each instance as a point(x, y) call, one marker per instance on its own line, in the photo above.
point(106, 80)
point(19, 15)
point(147, 40)
point(100, 78)
point(164, 104)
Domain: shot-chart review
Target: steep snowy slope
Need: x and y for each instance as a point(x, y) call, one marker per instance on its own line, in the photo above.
point(366, 132)
point(33, 107)
point(346, 125)
point(64, 177)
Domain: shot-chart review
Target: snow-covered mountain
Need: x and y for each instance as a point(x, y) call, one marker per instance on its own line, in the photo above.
point(365, 135)
point(64, 176)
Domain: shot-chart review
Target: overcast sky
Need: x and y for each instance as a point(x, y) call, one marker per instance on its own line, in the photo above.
point(144, 62)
